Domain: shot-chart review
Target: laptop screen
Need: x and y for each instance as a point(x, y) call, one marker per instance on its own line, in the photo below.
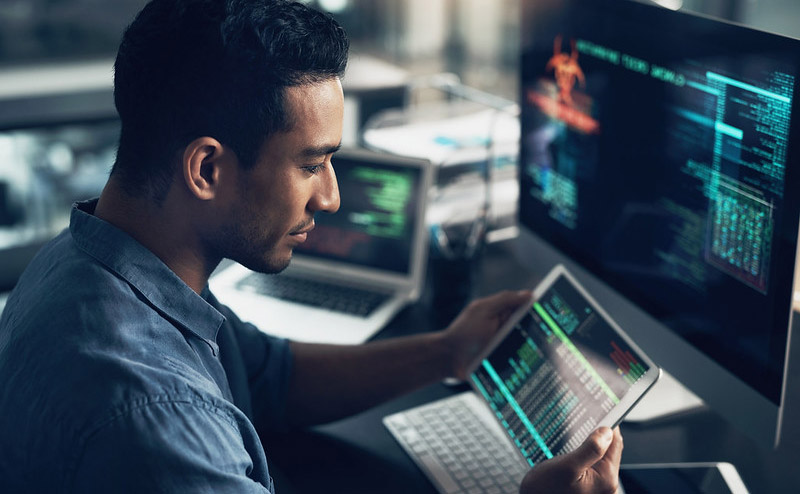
point(376, 223)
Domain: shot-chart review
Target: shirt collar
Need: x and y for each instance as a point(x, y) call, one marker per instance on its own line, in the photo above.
point(137, 265)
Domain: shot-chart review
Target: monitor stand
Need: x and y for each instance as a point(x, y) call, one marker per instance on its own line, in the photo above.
point(667, 398)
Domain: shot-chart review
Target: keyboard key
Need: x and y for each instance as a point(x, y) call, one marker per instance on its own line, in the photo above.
point(441, 475)
point(316, 293)
point(463, 455)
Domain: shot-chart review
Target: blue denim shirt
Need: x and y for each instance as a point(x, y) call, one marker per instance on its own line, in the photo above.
point(116, 377)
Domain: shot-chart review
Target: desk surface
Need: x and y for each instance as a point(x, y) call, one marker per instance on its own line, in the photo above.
point(358, 455)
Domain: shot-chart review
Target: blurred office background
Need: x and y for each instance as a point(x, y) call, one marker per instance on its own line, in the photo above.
point(476, 39)
point(58, 126)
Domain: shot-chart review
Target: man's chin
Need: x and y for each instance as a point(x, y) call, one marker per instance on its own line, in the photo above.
point(266, 266)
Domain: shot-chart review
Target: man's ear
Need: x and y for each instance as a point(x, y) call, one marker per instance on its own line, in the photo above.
point(203, 164)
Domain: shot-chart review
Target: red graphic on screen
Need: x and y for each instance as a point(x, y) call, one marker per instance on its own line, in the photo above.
point(567, 71)
point(628, 366)
point(560, 100)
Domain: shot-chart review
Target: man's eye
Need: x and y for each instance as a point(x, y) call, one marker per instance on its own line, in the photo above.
point(313, 169)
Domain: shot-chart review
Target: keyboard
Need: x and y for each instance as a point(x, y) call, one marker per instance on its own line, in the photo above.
point(459, 446)
point(316, 293)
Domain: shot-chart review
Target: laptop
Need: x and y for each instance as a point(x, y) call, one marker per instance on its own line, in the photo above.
point(558, 369)
point(356, 269)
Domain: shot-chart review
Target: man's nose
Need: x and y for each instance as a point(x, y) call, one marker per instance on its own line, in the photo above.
point(327, 197)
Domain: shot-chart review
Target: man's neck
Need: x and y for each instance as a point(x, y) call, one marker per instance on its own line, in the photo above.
point(164, 229)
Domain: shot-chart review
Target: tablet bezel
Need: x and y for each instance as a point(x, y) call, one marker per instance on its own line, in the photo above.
point(631, 397)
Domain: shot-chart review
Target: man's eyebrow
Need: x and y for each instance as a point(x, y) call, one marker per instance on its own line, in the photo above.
point(320, 151)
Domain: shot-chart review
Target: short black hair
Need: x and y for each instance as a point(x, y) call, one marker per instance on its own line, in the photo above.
point(219, 68)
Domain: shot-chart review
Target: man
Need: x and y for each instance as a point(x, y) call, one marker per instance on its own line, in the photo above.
point(121, 371)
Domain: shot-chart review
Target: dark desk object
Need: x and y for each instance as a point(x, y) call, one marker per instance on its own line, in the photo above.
point(358, 455)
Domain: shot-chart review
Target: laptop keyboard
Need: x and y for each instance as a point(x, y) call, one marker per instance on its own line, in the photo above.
point(315, 293)
point(456, 448)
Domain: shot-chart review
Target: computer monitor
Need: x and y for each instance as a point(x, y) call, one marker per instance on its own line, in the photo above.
point(660, 156)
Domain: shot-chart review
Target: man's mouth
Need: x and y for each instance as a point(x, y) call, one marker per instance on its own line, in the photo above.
point(303, 232)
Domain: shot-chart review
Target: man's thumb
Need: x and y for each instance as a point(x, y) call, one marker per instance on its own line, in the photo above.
point(592, 449)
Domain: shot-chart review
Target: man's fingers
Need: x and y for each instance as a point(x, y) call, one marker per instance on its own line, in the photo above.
point(608, 467)
point(507, 301)
point(593, 449)
point(614, 452)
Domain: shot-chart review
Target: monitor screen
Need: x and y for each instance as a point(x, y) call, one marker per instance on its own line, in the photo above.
point(656, 150)
point(377, 218)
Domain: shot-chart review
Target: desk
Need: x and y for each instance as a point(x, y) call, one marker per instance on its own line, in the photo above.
point(358, 455)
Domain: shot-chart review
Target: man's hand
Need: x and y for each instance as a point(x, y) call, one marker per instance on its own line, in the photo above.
point(593, 468)
point(334, 374)
point(470, 332)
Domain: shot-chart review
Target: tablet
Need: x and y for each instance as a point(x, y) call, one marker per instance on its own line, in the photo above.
point(686, 478)
point(560, 368)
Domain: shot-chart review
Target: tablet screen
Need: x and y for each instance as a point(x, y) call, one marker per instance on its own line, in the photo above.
point(559, 373)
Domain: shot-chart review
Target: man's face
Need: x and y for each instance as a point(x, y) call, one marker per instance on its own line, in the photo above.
point(291, 180)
